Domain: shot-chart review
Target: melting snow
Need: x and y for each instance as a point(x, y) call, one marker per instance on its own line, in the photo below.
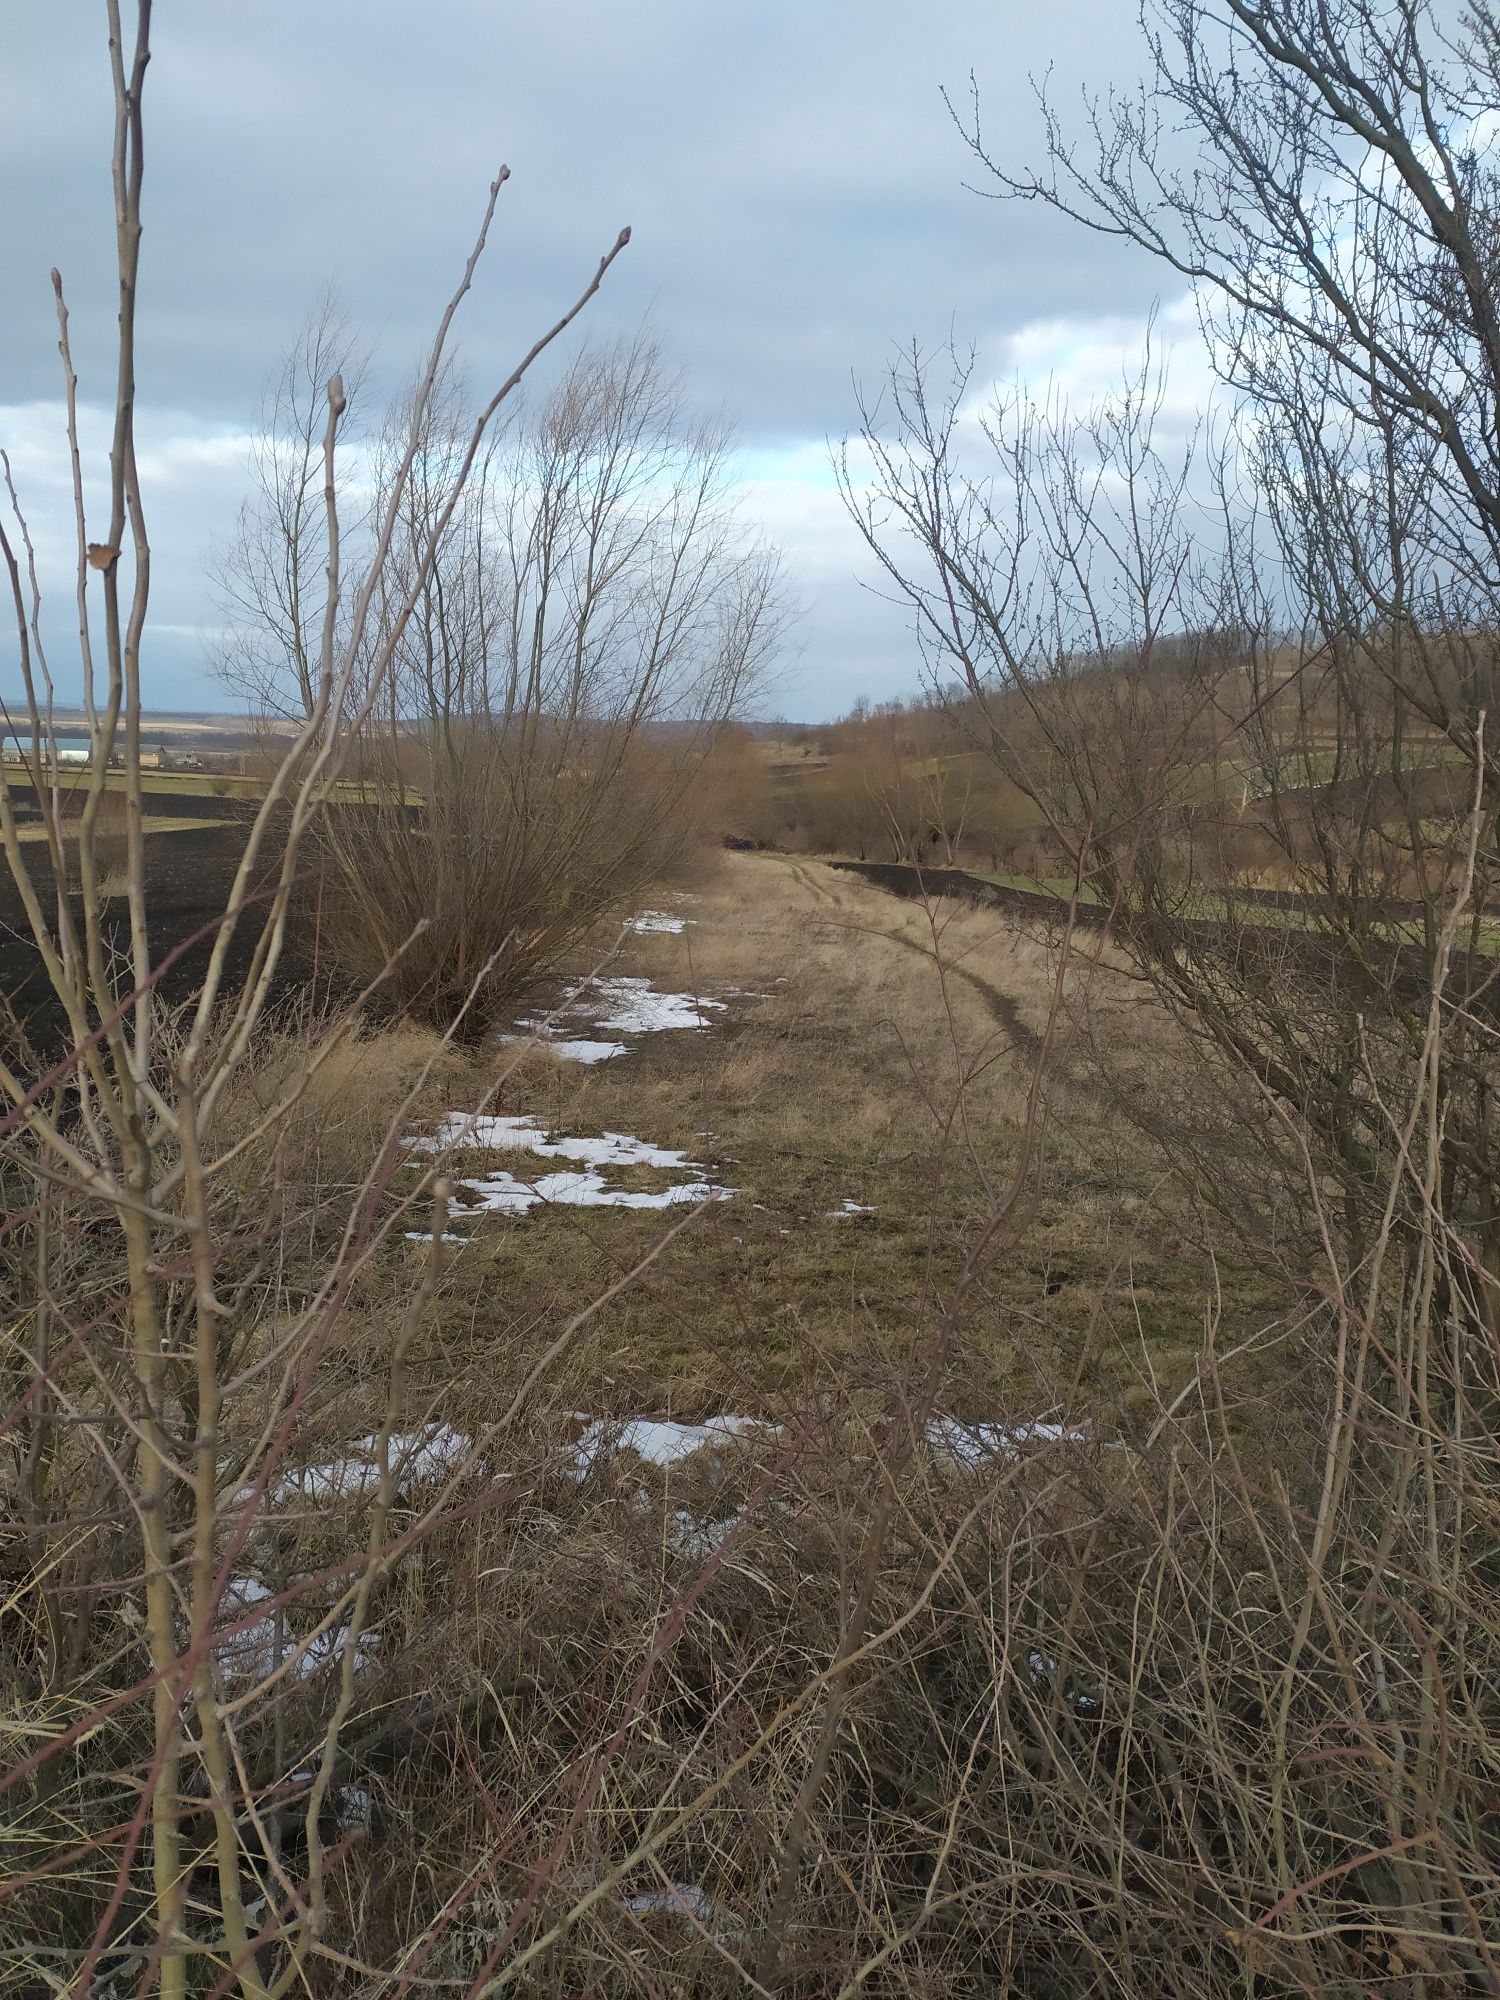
point(496, 1133)
point(658, 920)
point(351, 1807)
point(503, 1194)
point(568, 1048)
point(851, 1208)
point(625, 1006)
point(971, 1445)
point(683, 1899)
point(658, 1440)
point(259, 1648)
point(633, 1007)
point(424, 1456)
point(510, 1194)
point(699, 1538)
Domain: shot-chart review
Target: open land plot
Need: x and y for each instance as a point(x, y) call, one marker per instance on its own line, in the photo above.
point(816, 1092)
point(838, 1098)
point(190, 876)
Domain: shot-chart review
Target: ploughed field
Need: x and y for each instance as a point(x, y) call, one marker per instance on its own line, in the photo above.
point(190, 871)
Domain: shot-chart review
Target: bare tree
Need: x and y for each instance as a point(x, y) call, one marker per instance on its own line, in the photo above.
point(273, 575)
point(1296, 840)
point(1337, 224)
point(594, 614)
point(123, 1146)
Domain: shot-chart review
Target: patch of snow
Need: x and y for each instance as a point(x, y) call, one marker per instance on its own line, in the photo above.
point(699, 1538)
point(493, 1133)
point(658, 1440)
point(683, 1899)
point(972, 1445)
point(351, 1807)
point(658, 920)
point(850, 1208)
point(257, 1650)
point(510, 1194)
point(418, 1458)
point(627, 1005)
point(569, 1048)
point(503, 1194)
point(633, 1007)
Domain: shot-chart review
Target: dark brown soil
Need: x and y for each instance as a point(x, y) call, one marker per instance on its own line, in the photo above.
point(189, 880)
point(903, 880)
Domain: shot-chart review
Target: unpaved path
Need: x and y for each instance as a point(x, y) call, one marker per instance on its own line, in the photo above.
point(829, 893)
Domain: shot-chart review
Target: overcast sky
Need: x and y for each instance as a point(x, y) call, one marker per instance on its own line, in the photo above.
point(794, 185)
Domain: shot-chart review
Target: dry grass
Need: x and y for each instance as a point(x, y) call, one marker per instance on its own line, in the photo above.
point(1051, 1767)
point(833, 1075)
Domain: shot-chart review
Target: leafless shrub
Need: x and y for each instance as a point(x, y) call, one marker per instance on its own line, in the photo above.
point(1336, 228)
point(157, 1360)
point(592, 616)
point(309, 1687)
point(516, 842)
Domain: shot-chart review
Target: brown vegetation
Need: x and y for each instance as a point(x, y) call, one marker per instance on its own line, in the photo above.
point(572, 616)
point(1085, 1581)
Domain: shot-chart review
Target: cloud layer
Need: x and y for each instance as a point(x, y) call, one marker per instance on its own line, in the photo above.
point(792, 180)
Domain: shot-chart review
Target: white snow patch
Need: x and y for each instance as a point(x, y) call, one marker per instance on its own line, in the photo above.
point(510, 1194)
point(627, 1005)
point(850, 1208)
point(972, 1445)
point(500, 1133)
point(658, 920)
point(633, 1007)
point(658, 1440)
point(683, 1899)
point(503, 1194)
point(417, 1457)
point(351, 1807)
point(260, 1648)
point(568, 1048)
point(696, 1538)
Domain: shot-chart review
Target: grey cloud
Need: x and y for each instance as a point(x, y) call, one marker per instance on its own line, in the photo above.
point(793, 183)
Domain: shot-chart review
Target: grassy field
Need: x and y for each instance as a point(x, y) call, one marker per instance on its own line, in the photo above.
point(154, 823)
point(863, 1090)
point(1210, 906)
